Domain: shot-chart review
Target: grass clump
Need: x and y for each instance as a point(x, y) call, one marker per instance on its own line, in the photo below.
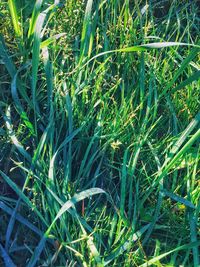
point(99, 107)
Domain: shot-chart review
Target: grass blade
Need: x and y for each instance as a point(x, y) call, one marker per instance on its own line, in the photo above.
point(35, 13)
point(7, 260)
point(85, 31)
point(123, 183)
point(36, 58)
point(183, 66)
point(50, 40)
point(22, 195)
point(21, 219)
point(6, 58)
point(146, 47)
point(11, 225)
point(192, 78)
point(17, 102)
point(126, 245)
point(14, 139)
point(179, 199)
point(183, 247)
point(70, 203)
point(14, 16)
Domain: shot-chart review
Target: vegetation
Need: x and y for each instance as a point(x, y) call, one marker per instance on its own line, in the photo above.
point(100, 112)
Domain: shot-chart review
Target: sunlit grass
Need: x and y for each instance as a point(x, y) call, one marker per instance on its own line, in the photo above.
point(100, 117)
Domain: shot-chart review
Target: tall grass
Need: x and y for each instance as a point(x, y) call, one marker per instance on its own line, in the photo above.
point(100, 115)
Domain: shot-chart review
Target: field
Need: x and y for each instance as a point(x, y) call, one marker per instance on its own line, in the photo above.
point(100, 136)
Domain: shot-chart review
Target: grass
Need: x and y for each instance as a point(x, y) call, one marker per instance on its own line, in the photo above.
point(100, 115)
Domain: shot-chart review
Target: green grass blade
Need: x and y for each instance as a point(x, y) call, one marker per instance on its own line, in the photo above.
point(179, 199)
point(68, 157)
point(12, 4)
point(7, 260)
point(51, 40)
point(11, 225)
point(192, 78)
point(183, 247)
point(70, 203)
point(22, 195)
point(49, 78)
point(17, 102)
point(123, 183)
point(168, 44)
point(182, 138)
point(37, 252)
point(183, 66)
point(65, 142)
point(85, 31)
point(86, 155)
point(76, 198)
point(126, 245)
point(174, 154)
point(35, 13)
point(21, 219)
point(36, 58)
point(14, 139)
point(193, 214)
point(194, 238)
point(6, 58)
point(94, 252)
point(191, 141)
point(146, 47)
